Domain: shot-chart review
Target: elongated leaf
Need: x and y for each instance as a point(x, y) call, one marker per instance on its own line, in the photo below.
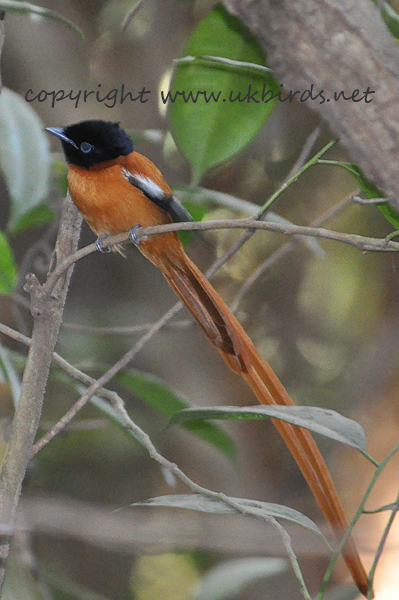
point(24, 154)
point(211, 129)
point(26, 8)
point(389, 213)
point(211, 505)
point(8, 270)
point(367, 186)
point(157, 393)
point(232, 577)
point(372, 191)
point(390, 17)
point(319, 420)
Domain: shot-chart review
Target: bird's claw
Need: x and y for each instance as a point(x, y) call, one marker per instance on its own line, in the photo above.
point(100, 244)
point(132, 235)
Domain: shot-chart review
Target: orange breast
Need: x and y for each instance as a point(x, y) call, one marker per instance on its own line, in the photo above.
point(111, 205)
point(108, 202)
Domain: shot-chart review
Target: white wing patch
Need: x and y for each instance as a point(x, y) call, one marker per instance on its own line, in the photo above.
point(155, 193)
point(145, 184)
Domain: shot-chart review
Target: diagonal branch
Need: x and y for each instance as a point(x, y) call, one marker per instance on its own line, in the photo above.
point(104, 379)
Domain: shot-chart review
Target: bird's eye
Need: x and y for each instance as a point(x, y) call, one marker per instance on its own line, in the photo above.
point(86, 147)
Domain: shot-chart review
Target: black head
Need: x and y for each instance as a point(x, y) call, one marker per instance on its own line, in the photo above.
point(89, 143)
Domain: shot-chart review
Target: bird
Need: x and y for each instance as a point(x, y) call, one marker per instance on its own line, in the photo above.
point(118, 190)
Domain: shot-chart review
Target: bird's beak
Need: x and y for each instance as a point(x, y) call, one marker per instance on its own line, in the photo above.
point(59, 132)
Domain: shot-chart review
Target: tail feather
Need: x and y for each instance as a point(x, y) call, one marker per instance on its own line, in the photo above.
point(209, 310)
point(225, 332)
point(307, 455)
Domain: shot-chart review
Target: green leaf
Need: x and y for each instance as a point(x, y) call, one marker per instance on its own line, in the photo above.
point(257, 508)
point(390, 17)
point(370, 189)
point(39, 215)
point(367, 186)
point(26, 8)
point(209, 133)
point(24, 154)
point(157, 393)
point(389, 507)
point(197, 210)
point(230, 578)
point(8, 270)
point(319, 420)
point(389, 213)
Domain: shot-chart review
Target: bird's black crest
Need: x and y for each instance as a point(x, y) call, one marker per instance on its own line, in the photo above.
point(89, 143)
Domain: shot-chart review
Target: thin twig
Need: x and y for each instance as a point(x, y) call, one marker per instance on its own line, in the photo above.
point(384, 537)
point(352, 524)
point(105, 378)
point(261, 270)
point(283, 251)
point(69, 369)
point(224, 61)
point(128, 330)
point(131, 14)
point(297, 172)
point(366, 244)
point(72, 259)
point(304, 154)
point(40, 247)
point(286, 538)
point(145, 440)
point(243, 239)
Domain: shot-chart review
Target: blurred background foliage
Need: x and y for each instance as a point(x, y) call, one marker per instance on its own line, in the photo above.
point(327, 320)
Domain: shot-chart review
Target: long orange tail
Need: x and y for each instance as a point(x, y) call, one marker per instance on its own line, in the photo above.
point(225, 332)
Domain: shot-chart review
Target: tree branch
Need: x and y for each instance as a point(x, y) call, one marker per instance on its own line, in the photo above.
point(282, 251)
point(363, 243)
point(47, 309)
point(337, 45)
